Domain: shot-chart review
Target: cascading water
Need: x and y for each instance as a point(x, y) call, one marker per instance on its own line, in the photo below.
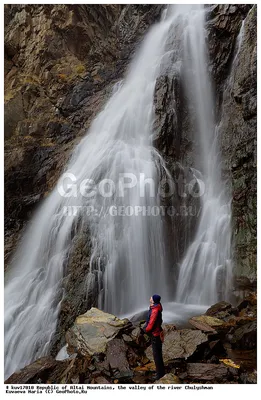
point(206, 270)
point(129, 258)
point(132, 248)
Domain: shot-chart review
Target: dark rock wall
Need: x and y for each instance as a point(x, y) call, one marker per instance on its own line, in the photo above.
point(236, 95)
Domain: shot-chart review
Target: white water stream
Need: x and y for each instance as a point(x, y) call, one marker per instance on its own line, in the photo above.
point(205, 272)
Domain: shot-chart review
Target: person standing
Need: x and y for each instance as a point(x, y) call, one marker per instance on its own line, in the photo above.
point(154, 328)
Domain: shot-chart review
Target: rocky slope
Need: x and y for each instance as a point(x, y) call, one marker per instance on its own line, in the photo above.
point(102, 349)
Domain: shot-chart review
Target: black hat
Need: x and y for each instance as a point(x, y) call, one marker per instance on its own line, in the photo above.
point(156, 298)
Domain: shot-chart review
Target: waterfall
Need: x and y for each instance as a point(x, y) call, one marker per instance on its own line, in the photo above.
point(116, 153)
point(111, 185)
point(205, 273)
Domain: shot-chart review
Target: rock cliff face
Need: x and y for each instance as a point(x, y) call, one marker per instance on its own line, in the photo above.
point(61, 62)
point(238, 124)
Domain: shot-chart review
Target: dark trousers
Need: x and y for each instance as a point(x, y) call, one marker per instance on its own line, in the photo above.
point(157, 355)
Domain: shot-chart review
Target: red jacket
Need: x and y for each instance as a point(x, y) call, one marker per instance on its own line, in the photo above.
point(155, 320)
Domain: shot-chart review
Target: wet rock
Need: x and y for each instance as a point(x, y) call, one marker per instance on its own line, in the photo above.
point(13, 114)
point(215, 350)
point(174, 138)
point(224, 22)
point(249, 303)
point(78, 295)
point(80, 92)
point(201, 326)
point(117, 358)
point(206, 323)
point(127, 339)
point(237, 129)
point(244, 337)
point(249, 378)
point(241, 320)
point(169, 379)
point(135, 334)
point(244, 284)
point(39, 371)
point(167, 120)
point(206, 372)
point(220, 310)
point(102, 365)
point(133, 357)
point(213, 360)
point(169, 328)
point(100, 380)
point(135, 338)
point(247, 359)
point(93, 331)
point(179, 344)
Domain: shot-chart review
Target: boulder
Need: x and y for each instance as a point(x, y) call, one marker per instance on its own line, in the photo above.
point(206, 323)
point(216, 346)
point(135, 338)
point(169, 379)
point(213, 351)
point(179, 344)
point(169, 328)
point(220, 310)
point(127, 339)
point(39, 371)
point(92, 332)
point(117, 358)
point(206, 372)
point(102, 365)
point(249, 378)
point(133, 357)
point(248, 307)
point(136, 335)
point(101, 380)
point(243, 283)
point(244, 337)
